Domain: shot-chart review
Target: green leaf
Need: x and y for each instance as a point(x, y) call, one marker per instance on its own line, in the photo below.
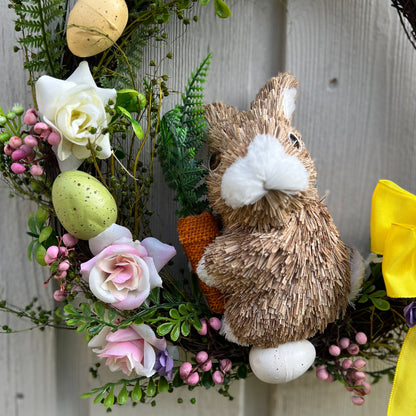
point(197, 324)
point(40, 253)
point(87, 395)
point(82, 327)
point(363, 299)
point(204, 2)
point(207, 380)
point(381, 304)
point(151, 388)
point(100, 397)
point(138, 321)
point(109, 400)
point(111, 315)
point(176, 332)
point(99, 309)
point(44, 234)
point(85, 309)
point(31, 222)
point(182, 309)
point(70, 309)
point(379, 294)
point(137, 392)
point(185, 329)
point(127, 99)
point(30, 249)
point(165, 328)
point(222, 9)
point(123, 396)
point(242, 371)
point(93, 330)
point(173, 313)
point(40, 217)
point(162, 385)
point(137, 128)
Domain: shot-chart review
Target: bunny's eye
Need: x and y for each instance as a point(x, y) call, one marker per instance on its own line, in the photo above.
point(295, 141)
point(214, 161)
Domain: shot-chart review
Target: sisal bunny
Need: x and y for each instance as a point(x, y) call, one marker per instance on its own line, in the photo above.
point(279, 262)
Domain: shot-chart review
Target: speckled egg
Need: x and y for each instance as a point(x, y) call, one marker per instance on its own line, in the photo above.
point(83, 204)
point(282, 364)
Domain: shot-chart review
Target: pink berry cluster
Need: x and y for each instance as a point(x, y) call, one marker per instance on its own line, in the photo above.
point(23, 151)
point(189, 373)
point(350, 371)
point(57, 260)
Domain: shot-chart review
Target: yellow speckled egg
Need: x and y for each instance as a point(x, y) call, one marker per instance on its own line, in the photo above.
point(94, 25)
point(83, 204)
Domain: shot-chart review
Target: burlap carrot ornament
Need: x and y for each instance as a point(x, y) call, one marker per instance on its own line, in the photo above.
point(195, 233)
point(182, 132)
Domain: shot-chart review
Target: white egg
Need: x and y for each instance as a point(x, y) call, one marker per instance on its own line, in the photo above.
point(284, 363)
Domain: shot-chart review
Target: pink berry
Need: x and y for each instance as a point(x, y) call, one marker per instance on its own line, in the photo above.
point(8, 150)
point(69, 240)
point(357, 400)
point(184, 370)
point(192, 379)
point(322, 373)
point(60, 275)
point(226, 365)
point(203, 331)
point(63, 251)
point(361, 338)
point(31, 117)
point(54, 138)
point(15, 142)
point(49, 260)
point(206, 366)
point(330, 378)
point(346, 364)
point(344, 343)
point(353, 349)
point(40, 127)
point(30, 141)
point(218, 377)
point(201, 357)
point(215, 323)
point(53, 252)
point(358, 364)
point(36, 170)
point(17, 168)
point(366, 387)
point(64, 266)
point(59, 296)
point(18, 154)
point(359, 375)
point(334, 350)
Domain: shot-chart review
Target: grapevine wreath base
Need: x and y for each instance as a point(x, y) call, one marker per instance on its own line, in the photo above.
point(271, 289)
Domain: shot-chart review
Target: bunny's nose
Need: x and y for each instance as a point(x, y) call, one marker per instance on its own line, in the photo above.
point(266, 167)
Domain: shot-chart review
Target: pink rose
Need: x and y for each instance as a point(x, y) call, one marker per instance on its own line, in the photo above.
point(129, 349)
point(123, 271)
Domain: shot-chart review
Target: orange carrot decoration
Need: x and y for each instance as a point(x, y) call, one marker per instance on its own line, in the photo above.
point(195, 233)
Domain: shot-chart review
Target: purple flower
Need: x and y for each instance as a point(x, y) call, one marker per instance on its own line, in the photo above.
point(164, 364)
point(410, 314)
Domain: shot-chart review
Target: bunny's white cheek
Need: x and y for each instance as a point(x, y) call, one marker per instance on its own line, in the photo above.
point(265, 167)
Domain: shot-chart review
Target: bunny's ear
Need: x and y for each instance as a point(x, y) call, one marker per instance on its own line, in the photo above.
point(277, 97)
point(219, 113)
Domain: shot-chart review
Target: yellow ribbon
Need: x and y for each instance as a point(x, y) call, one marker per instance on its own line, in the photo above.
point(393, 234)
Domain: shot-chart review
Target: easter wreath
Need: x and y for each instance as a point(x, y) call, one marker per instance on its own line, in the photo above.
point(85, 155)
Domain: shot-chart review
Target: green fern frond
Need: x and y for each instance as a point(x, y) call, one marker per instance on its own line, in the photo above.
point(181, 136)
point(41, 27)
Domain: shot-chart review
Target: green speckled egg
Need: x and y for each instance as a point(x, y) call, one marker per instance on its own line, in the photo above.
point(83, 204)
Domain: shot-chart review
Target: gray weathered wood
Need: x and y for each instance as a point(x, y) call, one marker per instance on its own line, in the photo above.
point(27, 359)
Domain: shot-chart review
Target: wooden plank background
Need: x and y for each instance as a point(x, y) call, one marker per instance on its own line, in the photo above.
point(356, 114)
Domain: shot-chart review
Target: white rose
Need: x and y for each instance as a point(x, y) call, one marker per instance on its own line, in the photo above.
point(73, 107)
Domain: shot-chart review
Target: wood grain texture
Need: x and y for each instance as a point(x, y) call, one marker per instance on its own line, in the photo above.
point(27, 359)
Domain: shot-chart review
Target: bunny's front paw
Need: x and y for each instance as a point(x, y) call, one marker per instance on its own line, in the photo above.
point(203, 274)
